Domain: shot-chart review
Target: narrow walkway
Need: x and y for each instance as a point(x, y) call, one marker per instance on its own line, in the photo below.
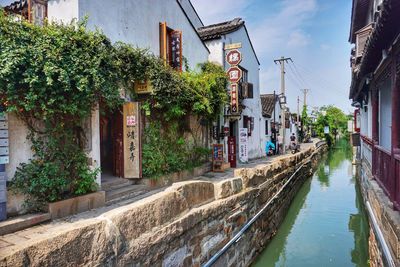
point(14, 241)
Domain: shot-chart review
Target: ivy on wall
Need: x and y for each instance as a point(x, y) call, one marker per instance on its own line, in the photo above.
point(53, 77)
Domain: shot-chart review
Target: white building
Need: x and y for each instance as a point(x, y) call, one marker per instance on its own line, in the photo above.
point(216, 38)
point(145, 24)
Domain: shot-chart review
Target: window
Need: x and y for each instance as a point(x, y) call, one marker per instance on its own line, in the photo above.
point(245, 75)
point(248, 123)
point(266, 127)
point(171, 46)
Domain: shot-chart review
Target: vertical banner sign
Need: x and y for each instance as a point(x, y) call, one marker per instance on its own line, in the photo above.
point(132, 141)
point(232, 151)
point(176, 50)
point(234, 98)
point(4, 159)
point(243, 146)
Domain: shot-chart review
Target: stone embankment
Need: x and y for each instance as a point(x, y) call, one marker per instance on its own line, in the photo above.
point(184, 225)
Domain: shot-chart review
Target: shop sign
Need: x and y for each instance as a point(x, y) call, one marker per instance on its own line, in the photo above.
point(176, 50)
point(243, 146)
point(233, 46)
point(234, 57)
point(215, 132)
point(232, 151)
point(218, 157)
point(132, 141)
point(326, 130)
point(143, 87)
point(234, 98)
point(234, 74)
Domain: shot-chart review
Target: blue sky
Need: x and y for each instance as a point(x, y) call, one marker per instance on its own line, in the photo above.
point(313, 33)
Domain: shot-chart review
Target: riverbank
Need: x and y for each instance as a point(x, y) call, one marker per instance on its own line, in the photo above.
point(184, 224)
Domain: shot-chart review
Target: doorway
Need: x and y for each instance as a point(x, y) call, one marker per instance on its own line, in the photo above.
point(111, 144)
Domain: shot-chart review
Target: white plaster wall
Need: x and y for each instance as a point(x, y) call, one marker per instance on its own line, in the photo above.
point(363, 121)
point(385, 115)
point(19, 146)
point(135, 22)
point(94, 154)
point(216, 48)
point(63, 10)
point(369, 115)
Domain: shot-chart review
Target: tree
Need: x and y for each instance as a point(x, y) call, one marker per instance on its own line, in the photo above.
point(334, 118)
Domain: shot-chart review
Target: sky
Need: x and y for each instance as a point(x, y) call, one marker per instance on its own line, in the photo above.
point(314, 33)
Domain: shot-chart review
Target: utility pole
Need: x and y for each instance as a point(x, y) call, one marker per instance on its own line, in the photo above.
point(298, 110)
point(305, 92)
point(282, 62)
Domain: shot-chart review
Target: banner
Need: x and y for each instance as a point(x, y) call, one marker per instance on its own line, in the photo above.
point(243, 145)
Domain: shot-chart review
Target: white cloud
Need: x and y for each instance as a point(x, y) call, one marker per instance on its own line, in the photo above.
point(298, 38)
point(214, 11)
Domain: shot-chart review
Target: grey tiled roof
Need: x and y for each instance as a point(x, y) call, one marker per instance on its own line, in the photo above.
point(17, 5)
point(215, 31)
point(267, 104)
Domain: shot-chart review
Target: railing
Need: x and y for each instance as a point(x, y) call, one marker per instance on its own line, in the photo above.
point(383, 171)
point(397, 180)
point(366, 150)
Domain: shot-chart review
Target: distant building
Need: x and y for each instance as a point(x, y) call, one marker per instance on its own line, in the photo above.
point(375, 91)
point(220, 38)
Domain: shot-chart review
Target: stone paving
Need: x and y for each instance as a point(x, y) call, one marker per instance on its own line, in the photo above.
point(15, 241)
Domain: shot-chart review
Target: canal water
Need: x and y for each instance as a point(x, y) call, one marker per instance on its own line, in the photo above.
point(326, 224)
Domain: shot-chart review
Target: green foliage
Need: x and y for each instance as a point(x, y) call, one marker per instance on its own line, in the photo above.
point(165, 151)
point(333, 117)
point(53, 76)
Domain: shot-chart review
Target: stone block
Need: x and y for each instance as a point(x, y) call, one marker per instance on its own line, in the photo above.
point(223, 189)
point(22, 222)
point(195, 192)
point(76, 205)
point(138, 218)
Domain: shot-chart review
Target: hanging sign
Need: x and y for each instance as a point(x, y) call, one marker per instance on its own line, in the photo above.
point(233, 46)
point(131, 141)
point(176, 50)
point(143, 87)
point(234, 98)
point(326, 129)
point(234, 57)
point(234, 74)
point(243, 146)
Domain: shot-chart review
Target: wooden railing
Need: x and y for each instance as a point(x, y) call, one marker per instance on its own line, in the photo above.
point(397, 181)
point(383, 162)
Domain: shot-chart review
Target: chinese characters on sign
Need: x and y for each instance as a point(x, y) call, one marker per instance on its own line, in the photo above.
point(234, 98)
point(176, 50)
point(234, 57)
point(234, 74)
point(243, 152)
point(143, 87)
point(132, 153)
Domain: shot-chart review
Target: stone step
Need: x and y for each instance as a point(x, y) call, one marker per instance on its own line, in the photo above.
point(124, 192)
point(22, 222)
point(115, 184)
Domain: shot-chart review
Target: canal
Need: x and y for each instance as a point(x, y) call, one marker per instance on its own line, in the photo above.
point(326, 224)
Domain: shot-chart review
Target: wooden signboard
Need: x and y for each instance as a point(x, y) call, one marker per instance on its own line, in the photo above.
point(218, 157)
point(132, 141)
point(143, 87)
point(232, 151)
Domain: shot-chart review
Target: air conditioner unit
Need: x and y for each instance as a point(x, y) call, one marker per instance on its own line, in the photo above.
point(246, 90)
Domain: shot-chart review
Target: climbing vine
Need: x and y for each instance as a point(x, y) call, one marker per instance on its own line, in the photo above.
point(52, 78)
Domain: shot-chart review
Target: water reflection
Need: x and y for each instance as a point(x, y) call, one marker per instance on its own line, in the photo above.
point(326, 225)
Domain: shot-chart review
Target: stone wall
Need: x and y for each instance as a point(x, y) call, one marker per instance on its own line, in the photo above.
point(184, 225)
point(387, 218)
